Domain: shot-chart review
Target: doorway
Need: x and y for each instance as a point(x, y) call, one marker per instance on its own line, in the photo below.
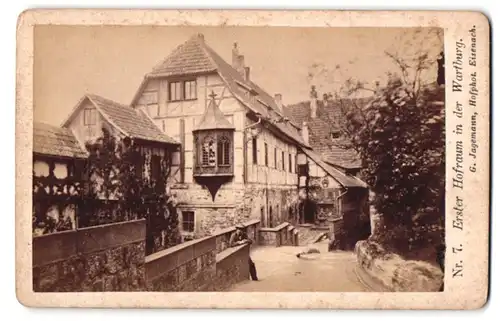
point(309, 212)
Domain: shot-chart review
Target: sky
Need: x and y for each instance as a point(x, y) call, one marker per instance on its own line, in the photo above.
point(111, 61)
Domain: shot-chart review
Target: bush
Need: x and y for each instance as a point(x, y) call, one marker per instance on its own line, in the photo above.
point(400, 138)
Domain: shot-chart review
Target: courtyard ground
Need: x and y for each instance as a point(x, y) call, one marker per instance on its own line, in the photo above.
point(280, 270)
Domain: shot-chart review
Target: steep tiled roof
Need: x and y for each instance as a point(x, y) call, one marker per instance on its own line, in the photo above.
point(195, 56)
point(344, 179)
point(133, 123)
point(213, 118)
point(188, 58)
point(56, 141)
point(320, 130)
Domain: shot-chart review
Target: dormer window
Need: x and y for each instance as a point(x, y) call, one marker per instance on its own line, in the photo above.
point(89, 116)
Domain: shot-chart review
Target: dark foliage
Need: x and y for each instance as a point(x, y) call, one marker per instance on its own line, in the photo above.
point(115, 173)
point(400, 138)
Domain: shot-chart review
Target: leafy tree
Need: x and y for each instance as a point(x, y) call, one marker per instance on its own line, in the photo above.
point(115, 171)
point(398, 132)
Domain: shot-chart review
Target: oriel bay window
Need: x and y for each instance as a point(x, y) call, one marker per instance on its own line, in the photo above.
point(214, 151)
point(182, 90)
point(213, 141)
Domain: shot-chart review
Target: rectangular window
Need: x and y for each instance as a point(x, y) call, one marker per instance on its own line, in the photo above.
point(183, 144)
point(290, 163)
point(266, 160)
point(182, 90)
point(188, 221)
point(208, 153)
point(175, 91)
point(275, 158)
point(190, 90)
point(254, 150)
point(283, 161)
point(223, 150)
point(89, 116)
point(155, 166)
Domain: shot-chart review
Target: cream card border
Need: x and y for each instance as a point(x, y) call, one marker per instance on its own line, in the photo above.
point(467, 292)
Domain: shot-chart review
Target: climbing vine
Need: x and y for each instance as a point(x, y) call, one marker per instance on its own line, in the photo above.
point(121, 181)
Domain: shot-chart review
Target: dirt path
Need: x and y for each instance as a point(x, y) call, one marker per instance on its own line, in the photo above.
point(280, 270)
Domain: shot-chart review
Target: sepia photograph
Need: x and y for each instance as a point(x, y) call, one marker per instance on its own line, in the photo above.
point(246, 159)
point(224, 158)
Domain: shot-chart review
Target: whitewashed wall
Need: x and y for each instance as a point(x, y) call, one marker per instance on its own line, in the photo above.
point(168, 116)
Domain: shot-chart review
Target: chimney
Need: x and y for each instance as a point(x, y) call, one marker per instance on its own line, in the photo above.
point(314, 101)
point(235, 56)
point(305, 132)
point(278, 101)
point(241, 66)
point(238, 63)
point(247, 73)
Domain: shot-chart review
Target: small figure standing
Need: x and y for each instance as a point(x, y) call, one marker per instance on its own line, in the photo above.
point(240, 237)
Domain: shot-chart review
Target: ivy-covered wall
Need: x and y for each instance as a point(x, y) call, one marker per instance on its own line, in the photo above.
point(127, 180)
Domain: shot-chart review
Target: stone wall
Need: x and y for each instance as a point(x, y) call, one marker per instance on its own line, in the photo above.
point(205, 264)
point(385, 271)
point(95, 259)
point(281, 235)
point(235, 204)
point(189, 266)
point(232, 267)
point(272, 205)
point(222, 236)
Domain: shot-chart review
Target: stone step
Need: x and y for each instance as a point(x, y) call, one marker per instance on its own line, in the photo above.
point(308, 235)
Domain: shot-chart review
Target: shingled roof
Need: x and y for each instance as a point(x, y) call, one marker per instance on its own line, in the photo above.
point(56, 141)
point(321, 128)
point(196, 57)
point(343, 179)
point(133, 123)
point(129, 121)
point(213, 118)
point(187, 58)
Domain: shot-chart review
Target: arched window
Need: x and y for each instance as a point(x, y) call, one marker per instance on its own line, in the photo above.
point(208, 150)
point(223, 151)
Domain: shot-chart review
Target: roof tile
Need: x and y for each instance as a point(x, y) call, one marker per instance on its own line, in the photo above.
point(56, 141)
point(213, 118)
point(187, 58)
point(133, 122)
point(320, 130)
point(345, 180)
point(195, 56)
